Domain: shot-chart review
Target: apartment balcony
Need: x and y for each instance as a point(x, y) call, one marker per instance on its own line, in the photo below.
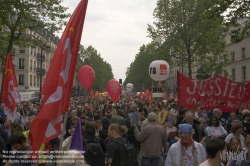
point(40, 71)
point(40, 57)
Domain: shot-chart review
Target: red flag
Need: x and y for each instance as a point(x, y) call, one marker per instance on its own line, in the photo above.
point(150, 99)
point(58, 84)
point(10, 93)
point(145, 94)
point(164, 95)
point(176, 97)
point(171, 96)
point(92, 92)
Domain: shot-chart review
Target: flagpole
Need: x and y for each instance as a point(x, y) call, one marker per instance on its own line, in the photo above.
point(65, 117)
point(3, 79)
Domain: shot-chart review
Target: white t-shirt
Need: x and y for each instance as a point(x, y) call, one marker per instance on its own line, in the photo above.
point(188, 158)
point(205, 163)
point(216, 131)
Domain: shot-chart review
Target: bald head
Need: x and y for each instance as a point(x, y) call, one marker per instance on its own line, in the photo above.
point(189, 117)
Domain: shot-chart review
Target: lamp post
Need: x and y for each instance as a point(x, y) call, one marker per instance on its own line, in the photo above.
point(44, 47)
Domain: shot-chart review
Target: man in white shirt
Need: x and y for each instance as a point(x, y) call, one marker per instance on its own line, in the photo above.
point(185, 152)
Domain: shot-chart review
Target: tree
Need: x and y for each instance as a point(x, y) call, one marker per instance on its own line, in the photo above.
point(238, 17)
point(190, 30)
point(18, 16)
point(137, 73)
point(103, 70)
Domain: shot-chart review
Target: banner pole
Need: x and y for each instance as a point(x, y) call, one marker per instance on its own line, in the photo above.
point(65, 117)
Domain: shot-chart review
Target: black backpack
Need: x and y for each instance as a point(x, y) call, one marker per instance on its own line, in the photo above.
point(94, 155)
point(127, 153)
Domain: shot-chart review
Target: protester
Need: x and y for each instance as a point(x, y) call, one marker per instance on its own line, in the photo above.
point(215, 130)
point(236, 133)
point(215, 149)
point(186, 150)
point(152, 140)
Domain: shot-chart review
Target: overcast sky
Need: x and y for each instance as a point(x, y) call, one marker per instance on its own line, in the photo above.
point(116, 29)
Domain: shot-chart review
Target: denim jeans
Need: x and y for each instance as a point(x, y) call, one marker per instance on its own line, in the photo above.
point(150, 161)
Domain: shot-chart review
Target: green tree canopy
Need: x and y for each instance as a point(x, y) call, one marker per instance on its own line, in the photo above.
point(191, 30)
point(17, 16)
point(103, 70)
point(138, 71)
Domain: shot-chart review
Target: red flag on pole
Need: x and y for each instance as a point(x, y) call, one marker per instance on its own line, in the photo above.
point(58, 84)
point(10, 93)
point(92, 92)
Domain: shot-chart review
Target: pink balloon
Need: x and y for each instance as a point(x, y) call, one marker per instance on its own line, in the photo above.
point(86, 76)
point(114, 89)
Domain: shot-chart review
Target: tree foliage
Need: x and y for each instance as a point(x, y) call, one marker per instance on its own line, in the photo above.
point(17, 16)
point(103, 70)
point(238, 16)
point(191, 30)
point(138, 71)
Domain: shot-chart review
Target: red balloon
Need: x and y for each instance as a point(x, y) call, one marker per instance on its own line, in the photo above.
point(114, 89)
point(86, 76)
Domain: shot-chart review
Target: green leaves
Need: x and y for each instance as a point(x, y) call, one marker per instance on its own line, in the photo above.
point(103, 70)
point(190, 29)
point(138, 72)
point(19, 16)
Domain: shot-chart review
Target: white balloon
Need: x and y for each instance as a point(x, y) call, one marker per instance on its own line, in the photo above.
point(159, 70)
point(129, 87)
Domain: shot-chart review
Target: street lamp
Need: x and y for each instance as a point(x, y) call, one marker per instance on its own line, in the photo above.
point(44, 47)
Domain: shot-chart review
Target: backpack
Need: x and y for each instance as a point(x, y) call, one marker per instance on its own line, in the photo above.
point(94, 155)
point(127, 153)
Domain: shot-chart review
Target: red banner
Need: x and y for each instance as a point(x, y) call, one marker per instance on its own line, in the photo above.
point(215, 92)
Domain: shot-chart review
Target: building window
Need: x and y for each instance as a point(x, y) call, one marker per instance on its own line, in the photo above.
point(225, 73)
point(34, 65)
point(233, 74)
point(21, 79)
point(233, 56)
point(37, 81)
point(31, 64)
point(243, 53)
point(21, 63)
point(22, 50)
point(30, 80)
point(244, 76)
point(34, 80)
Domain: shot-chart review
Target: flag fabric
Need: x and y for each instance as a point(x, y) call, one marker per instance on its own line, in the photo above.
point(58, 84)
point(164, 95)
point(10, 94)
point(150, 99)
point(145, 94)
point(76, 142)
point(92, 92)
point(171, 96)
point(176, 97)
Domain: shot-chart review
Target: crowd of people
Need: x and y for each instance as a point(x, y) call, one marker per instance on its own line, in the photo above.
point(134, 130)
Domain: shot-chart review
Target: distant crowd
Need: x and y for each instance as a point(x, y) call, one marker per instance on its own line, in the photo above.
point(133, 131)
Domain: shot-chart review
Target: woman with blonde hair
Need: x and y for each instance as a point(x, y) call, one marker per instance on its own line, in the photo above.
point(115, 149)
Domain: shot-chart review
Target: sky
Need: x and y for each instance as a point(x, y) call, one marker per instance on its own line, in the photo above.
point(116, 29)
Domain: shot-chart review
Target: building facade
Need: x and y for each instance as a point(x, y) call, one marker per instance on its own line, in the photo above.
point(32, 63)
point(238, 70)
